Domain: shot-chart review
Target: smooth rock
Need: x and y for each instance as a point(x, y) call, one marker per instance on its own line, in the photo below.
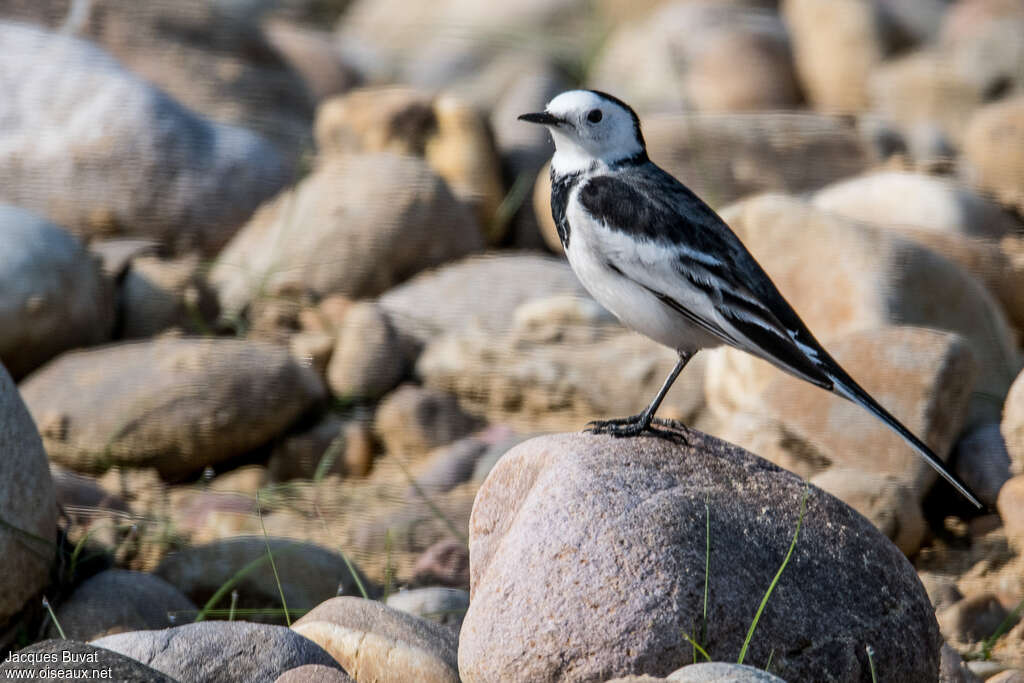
point(313, 55)
point(313, 673)
point(413, 420)
point(308, 573)
point(27, 504)
point(917, 200)
point(377, 643)
point(369, 358)
point(924, 91)
point(983, 40)
point(115, 145)
point(981, 461)
point(334, 445)
point(53, 296)
point(357, 225)
point(563, 363)
point(1008, 676)
point(312, 349)
point(229, 651)
point(1012, 424)
point(887, 502)
point(445, 562)
point(446, 606)
point(836, 46)
point(854, 276)
point(722, 672)
point(923, 377)
point(971, 619)
point(119, 600)
point(588, 558)
point(176, 404)
point(156, 294)
point(448, 299)
point(1010, 504)
point(710, 56)
point(49, 656)
point(448, 466)
point(994, 137)
point(445, 131)
point(942, 589)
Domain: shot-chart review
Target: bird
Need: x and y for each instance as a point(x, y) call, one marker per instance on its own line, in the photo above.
point(666, 265)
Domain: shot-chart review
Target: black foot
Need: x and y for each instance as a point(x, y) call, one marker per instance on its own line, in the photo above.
point(636, 425)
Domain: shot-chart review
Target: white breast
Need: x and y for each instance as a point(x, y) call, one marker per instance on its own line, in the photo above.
point(591, 246)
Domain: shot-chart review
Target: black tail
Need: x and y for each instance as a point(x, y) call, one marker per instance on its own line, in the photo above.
point(848, 389)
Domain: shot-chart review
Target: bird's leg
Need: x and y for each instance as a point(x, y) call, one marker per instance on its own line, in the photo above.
point(637, 424)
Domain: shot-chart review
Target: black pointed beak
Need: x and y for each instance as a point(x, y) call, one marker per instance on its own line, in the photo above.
point(543, 118)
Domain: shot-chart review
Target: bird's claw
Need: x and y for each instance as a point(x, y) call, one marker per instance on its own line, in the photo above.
point(635, 425)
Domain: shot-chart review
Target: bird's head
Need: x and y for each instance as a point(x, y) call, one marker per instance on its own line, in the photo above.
point(590, 128)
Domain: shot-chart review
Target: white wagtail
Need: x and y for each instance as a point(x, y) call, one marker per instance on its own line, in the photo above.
point(651, 252)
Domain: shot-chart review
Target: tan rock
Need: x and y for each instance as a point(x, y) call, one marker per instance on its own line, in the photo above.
point(369, 359)
point(377, 643)
point(178, 405)
point(1011, 509)
point(709, 56)
point(923, 377)
point(312, 349)
point(836, 46)
point(413, 420)
point(1012, 425)
point(851, 276)
point(355, 226)
point(972, 619)
point(992, 144)
point(448, 133)
point(916, 200)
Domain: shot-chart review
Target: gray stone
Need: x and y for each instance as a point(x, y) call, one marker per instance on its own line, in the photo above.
point(229, 651)
point(721, 672)
point(118, 600)
point(160, 293)
point(972, 619)
point(445, 562)
point(53, 296)
point(917, 200)
point(444, 605)
point(982, 462)
point(121, 157)
point(27, 504)
point(413, 420)
point(375, 642)
point(357, 225)
point(308, 573)
point(176, 404)
point(314, 673)
point(588, 554)
point(448, 298)
point(97, 661)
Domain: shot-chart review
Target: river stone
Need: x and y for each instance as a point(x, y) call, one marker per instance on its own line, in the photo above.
point(53, 296)
point(27, 504)
point(357, 225)
point(99, 150)
point(377, 643)
point(118, 600)
point(228, 651)
point(588, 562)
point(176, 404)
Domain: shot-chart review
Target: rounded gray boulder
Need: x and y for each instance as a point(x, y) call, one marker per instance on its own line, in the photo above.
point(587, 562)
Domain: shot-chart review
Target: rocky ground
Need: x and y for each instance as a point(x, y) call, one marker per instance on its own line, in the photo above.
point(293, 368)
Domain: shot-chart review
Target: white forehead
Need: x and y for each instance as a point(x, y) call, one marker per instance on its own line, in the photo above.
point(575, 100)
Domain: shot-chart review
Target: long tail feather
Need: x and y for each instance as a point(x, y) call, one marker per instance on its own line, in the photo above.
point(848, 389)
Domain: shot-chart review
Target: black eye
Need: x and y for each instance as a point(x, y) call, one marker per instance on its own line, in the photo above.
point(594, 115)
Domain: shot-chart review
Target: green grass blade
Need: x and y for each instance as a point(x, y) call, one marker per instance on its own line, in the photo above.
point(697, 646)
point(771, 587)
point(871, 663)
point(229, 585)
point(273, 566)
point(46, 604)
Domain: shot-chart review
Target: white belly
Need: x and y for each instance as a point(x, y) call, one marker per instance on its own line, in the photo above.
point(631, 303)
